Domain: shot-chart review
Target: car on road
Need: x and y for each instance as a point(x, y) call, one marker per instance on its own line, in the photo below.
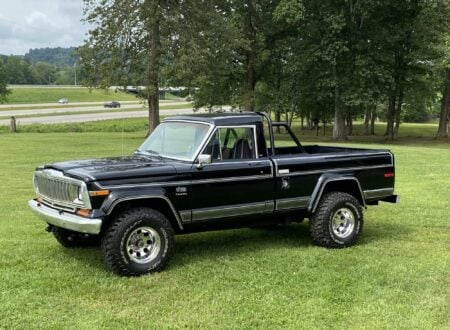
point(208, 172)
point(112, 104)
point(63, 101)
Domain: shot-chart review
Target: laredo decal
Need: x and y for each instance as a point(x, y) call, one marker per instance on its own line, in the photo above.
point(181, 191)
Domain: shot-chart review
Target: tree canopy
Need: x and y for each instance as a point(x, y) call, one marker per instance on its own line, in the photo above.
point(3, 84)
point(323, 61)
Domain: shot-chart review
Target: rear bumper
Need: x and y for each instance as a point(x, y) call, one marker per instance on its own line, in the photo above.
point(65, 220)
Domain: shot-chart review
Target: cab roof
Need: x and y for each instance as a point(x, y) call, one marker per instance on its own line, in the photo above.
point(222, 118)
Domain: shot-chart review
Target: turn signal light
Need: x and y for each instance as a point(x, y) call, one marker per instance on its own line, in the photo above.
point(389, 175)
point(99, 193)
point(84, 212)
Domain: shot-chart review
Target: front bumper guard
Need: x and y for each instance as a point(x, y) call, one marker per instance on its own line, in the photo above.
point(64, 219)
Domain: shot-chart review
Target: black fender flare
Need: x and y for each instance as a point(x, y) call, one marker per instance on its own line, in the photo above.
point(117, 197)
point(327, 178)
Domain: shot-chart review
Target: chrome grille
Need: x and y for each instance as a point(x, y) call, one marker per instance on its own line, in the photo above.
point(56, 187)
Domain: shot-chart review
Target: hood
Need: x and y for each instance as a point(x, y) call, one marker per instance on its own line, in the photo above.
point(117, 168)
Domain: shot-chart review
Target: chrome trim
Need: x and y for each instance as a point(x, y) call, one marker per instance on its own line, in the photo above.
point(186, 216)
point(65, 220)
point(292, 203)
point(284, 171)
point(331, 155)
point(143, 245)
point(183, 183)
point(378, 193)
point(276, 167)
point(270, 206)
point(343, 223)
point(59, 205)
point(318, 190)
point(334, 170)
point(231, 210)
point(55, 187)
point(119, 200)
point(231, 161)
point(231, 126)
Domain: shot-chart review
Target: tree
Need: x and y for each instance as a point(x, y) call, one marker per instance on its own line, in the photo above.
point(4, 91)
point(235, 45)
point(445, 103)
point(126, 46)
point(444, 113)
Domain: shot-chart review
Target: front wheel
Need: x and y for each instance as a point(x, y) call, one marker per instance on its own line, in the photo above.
point(139, 241)
point(338, 220)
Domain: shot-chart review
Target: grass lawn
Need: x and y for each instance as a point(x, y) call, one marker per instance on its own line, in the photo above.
point(53, 94)
point(398, 276)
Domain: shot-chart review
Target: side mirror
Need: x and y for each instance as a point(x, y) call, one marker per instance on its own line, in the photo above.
point(202, 160)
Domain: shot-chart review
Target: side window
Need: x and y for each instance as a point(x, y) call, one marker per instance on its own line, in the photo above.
point(213, 148)
point(229, 143)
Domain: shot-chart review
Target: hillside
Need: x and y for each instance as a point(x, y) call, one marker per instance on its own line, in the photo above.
point(56, 56)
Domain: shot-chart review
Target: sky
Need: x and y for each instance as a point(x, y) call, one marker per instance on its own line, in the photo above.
point(26, 24)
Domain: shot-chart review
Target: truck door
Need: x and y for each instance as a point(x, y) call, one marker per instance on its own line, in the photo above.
point(237, 181)
point(293, 184)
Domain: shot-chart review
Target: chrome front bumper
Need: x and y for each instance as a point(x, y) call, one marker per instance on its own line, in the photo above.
point(64, 219)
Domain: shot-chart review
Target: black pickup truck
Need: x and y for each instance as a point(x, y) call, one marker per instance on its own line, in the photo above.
point(205, 172)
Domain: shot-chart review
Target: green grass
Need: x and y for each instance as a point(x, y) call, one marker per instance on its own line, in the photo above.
point(397, 277)
point(53, 94)
point(410, 133)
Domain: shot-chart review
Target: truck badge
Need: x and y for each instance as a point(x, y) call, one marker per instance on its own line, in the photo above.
point(181, 191)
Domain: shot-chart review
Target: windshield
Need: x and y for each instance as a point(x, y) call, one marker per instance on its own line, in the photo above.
point(178, 140)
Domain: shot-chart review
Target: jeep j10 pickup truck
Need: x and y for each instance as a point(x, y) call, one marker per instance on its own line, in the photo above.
point(204, 172)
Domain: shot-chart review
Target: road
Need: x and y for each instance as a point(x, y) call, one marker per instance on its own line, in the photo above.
point(134, 105)
point(92, 117)
point(54, 104)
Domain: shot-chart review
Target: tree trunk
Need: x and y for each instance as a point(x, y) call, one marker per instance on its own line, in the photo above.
point(339, 133)
point(291, 119)
point(398, 111)
point(153, 65)
point(390, 118)
point(251, 57)
point(349, 121)
point(373, 117)
point(367, 118)
point(251, 83)
point(278, 119)
point(443, 116)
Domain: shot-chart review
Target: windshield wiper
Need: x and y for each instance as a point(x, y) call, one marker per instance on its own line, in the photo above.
point(150, 152)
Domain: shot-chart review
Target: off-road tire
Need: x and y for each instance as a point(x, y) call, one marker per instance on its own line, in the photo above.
point(72, 239)
point(118, 235)
point(321, 222)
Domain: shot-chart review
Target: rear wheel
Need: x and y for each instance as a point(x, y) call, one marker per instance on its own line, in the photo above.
point(72, 239)
point(338, 220)
point(139, 241)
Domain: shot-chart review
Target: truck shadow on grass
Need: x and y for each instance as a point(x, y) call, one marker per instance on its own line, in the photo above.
point(216, 244)
point(211, 245)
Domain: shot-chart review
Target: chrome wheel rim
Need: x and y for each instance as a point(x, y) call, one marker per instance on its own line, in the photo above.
point(343, 223)
point(143, 245)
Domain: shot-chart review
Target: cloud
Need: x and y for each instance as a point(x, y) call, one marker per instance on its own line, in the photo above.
point(29, 24)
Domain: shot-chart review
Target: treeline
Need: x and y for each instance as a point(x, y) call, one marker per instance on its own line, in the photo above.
point(45, 66)
point(56, 55)
point(323, 61)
